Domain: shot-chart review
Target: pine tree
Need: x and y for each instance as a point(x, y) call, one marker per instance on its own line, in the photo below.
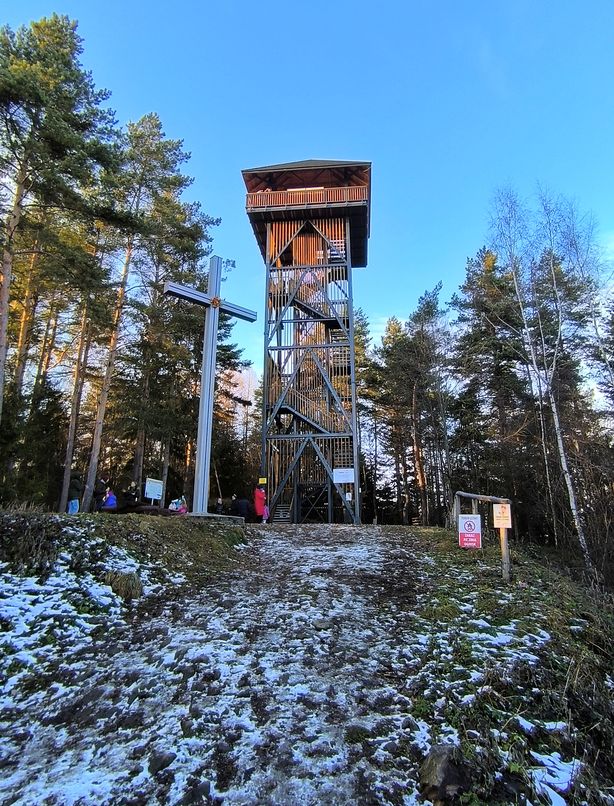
point(489, 362)
point(151, 169)
point(54, 135)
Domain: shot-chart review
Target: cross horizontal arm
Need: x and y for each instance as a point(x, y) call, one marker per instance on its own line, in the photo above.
point(190, 294)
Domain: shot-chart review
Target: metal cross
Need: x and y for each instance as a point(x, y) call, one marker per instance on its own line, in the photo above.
point(213, 305)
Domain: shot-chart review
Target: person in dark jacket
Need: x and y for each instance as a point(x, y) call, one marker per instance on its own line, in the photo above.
point(75, 491)
point(100, 490)
point(131, 496)
point(240, 507)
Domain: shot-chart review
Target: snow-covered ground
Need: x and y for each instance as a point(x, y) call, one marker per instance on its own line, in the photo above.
point(311, 675)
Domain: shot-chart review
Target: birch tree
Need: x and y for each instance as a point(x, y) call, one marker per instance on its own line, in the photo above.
point(536, 275)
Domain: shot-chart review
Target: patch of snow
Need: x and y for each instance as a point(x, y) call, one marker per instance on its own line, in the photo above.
point(555, 727)
point(554, 777)
point(528, 727)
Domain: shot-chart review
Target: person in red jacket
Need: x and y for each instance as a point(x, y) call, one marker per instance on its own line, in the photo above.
point(259, 502)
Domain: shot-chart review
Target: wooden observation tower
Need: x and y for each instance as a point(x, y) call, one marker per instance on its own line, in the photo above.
point(311, 221)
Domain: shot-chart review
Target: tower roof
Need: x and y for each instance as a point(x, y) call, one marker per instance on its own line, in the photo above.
point(307, 173)
point(305, 164)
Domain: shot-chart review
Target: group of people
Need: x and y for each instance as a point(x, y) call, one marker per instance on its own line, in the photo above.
point(105, 498)
point(255, 511)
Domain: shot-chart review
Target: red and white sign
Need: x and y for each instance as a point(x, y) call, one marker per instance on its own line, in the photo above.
point(469, 532)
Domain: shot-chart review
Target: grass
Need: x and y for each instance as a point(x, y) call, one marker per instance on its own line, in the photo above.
point(182, 545)
point(30, 542)
point(571, 682)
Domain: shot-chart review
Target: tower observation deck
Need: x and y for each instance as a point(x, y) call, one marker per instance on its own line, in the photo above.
point(311, 222)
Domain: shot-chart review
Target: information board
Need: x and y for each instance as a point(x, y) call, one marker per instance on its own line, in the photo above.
point(153, 489)
point(343, 475)
point(502, 516)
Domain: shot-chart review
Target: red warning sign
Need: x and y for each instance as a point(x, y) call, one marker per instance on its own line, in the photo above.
point(470, 531)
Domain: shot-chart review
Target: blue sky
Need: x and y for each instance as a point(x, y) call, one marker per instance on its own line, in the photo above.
point(449, 100)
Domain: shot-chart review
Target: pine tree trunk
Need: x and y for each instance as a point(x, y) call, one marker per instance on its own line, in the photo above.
point(375, 466)
point(397, 482)
point(166, 459)
point(419, 460)
point(435, 481)
point(47, 346)
point(444, 460)
point(139, 456)
point(12, 222)
point(78, 381)
point(106, 384)
point(188, 474)
point(406, 512)
point(139, 450)
point(30, 301)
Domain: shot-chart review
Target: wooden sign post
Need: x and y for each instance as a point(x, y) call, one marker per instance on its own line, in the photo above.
point(502, 520)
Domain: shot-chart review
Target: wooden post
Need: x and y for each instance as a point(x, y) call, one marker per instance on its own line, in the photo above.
point(505, 554)
point(502, 514)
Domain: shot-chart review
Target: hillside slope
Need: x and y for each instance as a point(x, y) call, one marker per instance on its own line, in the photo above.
point(309, 665)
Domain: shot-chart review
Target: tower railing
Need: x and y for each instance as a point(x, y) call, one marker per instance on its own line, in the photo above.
point(303, 198)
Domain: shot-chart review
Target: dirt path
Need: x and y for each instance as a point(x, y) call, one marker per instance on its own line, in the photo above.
point(282, 682)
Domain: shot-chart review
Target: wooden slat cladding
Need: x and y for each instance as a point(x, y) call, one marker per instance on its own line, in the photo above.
point(306, 197)
point(303, 243)
point(281, 234)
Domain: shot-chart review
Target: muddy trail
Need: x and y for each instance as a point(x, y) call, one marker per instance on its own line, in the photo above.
point(316, 671)
point(283, 681)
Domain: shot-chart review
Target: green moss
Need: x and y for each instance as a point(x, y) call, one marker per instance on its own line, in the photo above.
point(84, 604)
point(191, 546)
point(14, 666)
point(356, 734)
point(421, 708)
point(440, 609)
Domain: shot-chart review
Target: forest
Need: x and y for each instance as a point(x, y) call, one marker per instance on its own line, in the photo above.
point(505, 390)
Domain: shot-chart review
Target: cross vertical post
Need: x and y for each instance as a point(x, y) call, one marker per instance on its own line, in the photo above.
point(207, 383)
point(212, 304)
